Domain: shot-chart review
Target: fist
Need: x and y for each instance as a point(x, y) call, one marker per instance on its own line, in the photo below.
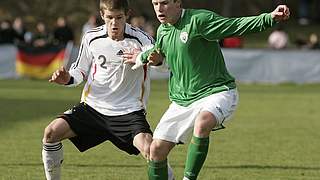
point(60, 76)
point(281, 13)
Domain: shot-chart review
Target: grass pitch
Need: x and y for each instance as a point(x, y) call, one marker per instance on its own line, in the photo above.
point(274, 135)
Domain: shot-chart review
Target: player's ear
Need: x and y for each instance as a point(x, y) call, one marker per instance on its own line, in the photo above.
point(102, 14)
point(178, 2)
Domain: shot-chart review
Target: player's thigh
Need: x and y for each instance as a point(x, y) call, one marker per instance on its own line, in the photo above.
point(58, 130)
point(204, 123)
point(176, 124)
point(222, 105)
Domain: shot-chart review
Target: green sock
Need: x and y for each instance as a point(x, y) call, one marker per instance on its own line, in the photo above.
point(197, 153)
point(158, 170)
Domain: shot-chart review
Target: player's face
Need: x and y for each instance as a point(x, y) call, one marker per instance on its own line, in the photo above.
point(115, 21)
point(167, 11)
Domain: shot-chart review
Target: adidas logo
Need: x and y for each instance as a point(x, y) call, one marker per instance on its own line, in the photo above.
point(119, 53)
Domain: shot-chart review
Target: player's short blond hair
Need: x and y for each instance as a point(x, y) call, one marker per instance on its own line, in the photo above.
point(114, 5)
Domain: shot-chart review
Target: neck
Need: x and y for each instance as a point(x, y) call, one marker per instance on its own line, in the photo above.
point(117, 38)
point(177, 17)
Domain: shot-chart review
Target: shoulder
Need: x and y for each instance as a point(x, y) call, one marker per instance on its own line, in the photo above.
point(95, 29)
point(135, 33)
point(200, 14)
point(201, 17)
point(94, 33)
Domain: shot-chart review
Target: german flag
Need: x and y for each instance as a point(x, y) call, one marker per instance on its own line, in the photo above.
point(39, 62)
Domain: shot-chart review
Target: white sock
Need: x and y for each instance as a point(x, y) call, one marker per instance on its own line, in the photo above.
point(185, 178)
point(170, 172)
point(52, 157)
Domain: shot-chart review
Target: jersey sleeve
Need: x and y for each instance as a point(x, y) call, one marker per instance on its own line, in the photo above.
point(147, 45)
point(147, 48)
point(80, 68)
point(213, 26)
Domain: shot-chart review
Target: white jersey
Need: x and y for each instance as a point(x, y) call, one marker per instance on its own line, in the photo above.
point(112, 87)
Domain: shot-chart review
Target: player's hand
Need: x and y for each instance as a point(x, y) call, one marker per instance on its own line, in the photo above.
point(281, 13)
point(155, 58)
point(60, 76)
point(129, 57)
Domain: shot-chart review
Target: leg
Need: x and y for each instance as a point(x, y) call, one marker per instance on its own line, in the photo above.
point(198, 148)
point(142, 141)
point(158, 167)
point(52, 153)
point(216, 109)
point(204, 124)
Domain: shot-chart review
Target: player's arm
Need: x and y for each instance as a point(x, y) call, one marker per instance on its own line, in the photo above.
point(79, 70)
point(147, 54)
point(213, 27)
point(152, 57)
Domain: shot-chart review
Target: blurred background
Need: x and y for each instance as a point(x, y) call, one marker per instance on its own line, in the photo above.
point(305, 17)
point(275, 131)
point(37, 36)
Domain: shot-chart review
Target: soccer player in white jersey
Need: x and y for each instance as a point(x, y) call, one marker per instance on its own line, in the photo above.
point(113, 102)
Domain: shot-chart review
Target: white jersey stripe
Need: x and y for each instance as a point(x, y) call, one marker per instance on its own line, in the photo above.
point(74, 65)
point(102, 36)
point(148, 36)
point(132, 37)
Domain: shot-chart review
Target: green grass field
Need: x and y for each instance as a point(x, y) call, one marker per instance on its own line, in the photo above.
point(274, 135)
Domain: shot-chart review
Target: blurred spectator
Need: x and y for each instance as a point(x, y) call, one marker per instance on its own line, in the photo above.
point(308, 8)
point(301, 42)
point(19, 29)
point(317, 10)
point(138, 21)
point(28, 37)
point(304, 12)
point(7, 34)
point(278, 39)
point(91, 23)
point(230, 8)
point(62, 33)
point(232, 42)
point(41, 37)
point(142, 23)
point(314, 41)
point(150, 29)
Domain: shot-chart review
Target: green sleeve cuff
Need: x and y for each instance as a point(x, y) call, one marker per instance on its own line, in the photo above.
point(144, 56)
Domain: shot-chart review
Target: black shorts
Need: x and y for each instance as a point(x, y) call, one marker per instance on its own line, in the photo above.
point(93, 128)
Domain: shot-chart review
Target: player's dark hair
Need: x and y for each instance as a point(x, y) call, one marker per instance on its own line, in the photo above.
point(114, 5)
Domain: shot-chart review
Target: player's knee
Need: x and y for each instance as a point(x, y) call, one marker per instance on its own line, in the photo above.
point(158, 151)
point(142, 141)
point(146, 151)
point(47, 135)
point(50, 134)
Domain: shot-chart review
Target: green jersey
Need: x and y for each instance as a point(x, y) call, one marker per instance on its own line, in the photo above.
point(193, 54)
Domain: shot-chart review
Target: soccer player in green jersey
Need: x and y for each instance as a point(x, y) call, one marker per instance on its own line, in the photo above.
point(202, 92)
